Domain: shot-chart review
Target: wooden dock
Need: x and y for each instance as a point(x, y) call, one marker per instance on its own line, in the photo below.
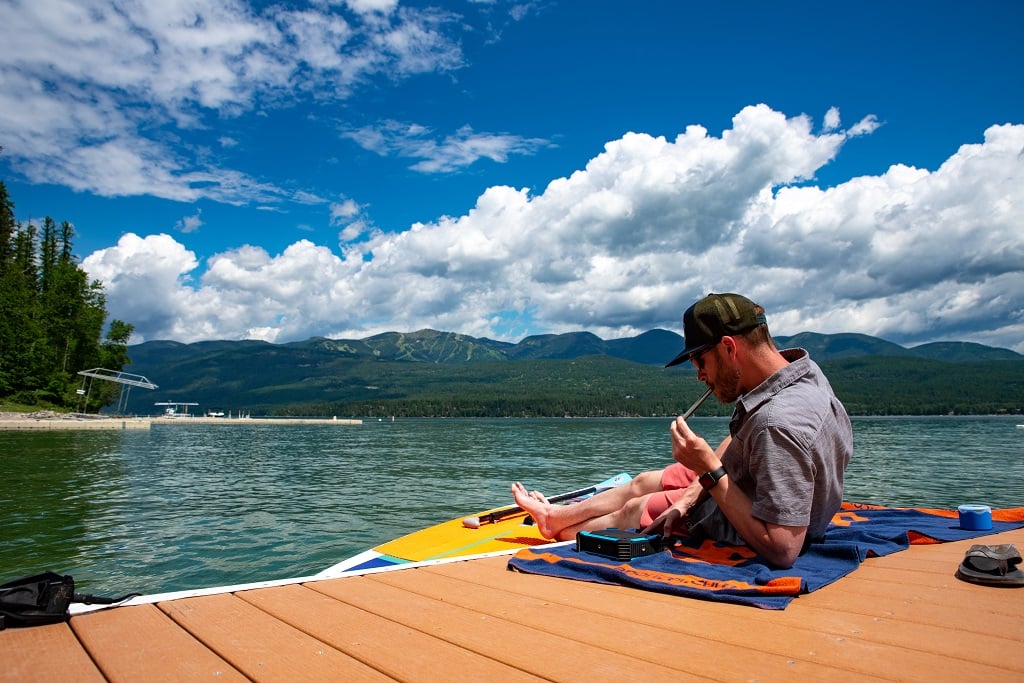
point(903, 617)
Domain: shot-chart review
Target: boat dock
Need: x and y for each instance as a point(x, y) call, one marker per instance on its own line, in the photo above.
point(903, 617)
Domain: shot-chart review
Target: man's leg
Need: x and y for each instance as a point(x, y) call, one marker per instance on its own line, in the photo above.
point(618, 507)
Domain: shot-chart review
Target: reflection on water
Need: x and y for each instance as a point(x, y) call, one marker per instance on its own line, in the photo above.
point(192, 506)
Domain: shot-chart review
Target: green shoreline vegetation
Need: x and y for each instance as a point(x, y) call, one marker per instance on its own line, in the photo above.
point(604, 387)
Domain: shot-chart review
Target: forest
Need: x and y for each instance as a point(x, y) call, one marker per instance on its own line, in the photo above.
point(52, 319)
point(598, 386)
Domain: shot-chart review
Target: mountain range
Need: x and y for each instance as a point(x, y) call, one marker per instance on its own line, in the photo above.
point(429, 367)
point(655, 347)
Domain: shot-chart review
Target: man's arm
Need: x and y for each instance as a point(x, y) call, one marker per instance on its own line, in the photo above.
point(778, 544)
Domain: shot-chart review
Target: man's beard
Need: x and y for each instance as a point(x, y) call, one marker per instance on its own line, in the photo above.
point(727, 386)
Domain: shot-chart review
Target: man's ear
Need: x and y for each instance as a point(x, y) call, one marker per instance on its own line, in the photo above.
point(730, 345)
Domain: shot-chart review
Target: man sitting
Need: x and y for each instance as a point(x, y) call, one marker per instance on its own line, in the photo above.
point(773, 483)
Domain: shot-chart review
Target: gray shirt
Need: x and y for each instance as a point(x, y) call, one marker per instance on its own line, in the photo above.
point(791, 443)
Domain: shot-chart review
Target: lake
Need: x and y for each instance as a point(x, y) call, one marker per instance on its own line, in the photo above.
point(191, 506)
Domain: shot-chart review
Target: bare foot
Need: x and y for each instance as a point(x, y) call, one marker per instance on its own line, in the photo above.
point(536, 505)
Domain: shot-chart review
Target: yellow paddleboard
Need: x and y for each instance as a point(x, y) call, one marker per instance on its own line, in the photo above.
point(453, 538)
point(496, 530)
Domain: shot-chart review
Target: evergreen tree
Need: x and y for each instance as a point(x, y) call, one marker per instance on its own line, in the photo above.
point(21, 364)
point(7, 228)
point(51, 316)
point(8, 306)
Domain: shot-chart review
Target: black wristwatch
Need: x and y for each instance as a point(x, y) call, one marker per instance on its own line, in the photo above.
point(709, 480)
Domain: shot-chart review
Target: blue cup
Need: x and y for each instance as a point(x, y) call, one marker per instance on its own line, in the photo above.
point(975, 517)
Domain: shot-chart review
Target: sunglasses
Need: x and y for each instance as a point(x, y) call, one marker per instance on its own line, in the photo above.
point(698, 359)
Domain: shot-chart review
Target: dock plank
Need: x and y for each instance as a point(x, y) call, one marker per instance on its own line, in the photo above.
point(260, 646)
point(550, 656)
point(47, 654)
point(141, 643)
point(398, 651)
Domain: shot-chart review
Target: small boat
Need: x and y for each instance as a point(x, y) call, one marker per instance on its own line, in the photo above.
point(495, 531)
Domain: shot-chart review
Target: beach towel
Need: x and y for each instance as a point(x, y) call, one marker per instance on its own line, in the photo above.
point(723, 573)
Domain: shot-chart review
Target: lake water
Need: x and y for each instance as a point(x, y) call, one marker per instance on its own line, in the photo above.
point(192, 506)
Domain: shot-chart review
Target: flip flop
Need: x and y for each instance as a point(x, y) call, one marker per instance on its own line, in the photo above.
point(994, 565)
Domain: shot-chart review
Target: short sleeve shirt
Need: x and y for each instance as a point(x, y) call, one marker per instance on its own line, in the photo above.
point(791, 442)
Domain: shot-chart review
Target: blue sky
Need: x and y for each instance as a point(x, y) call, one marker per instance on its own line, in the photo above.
point(283, 170)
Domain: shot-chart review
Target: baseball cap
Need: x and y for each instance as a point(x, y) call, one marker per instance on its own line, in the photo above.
point(713, 317)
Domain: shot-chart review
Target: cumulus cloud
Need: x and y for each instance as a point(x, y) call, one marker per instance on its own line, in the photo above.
point(625, 243)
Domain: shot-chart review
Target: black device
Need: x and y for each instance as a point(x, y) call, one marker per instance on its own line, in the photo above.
point(618, 544)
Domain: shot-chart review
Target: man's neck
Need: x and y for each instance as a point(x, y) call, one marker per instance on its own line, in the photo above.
point(763, 362)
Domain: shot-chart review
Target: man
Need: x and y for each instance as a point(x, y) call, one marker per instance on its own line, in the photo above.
point(773, 483)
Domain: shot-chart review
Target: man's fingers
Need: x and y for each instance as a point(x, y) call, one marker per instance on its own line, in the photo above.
point(653, 528)
point(683, 428)
point(665, 523)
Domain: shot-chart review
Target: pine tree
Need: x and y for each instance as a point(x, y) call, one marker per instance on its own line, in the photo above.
point(8, 306)
point(51, 315)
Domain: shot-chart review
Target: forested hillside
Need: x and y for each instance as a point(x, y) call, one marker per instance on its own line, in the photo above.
point(439, 374)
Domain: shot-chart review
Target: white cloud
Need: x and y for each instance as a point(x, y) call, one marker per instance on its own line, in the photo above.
point(190, 224)
point(94, 93)
point(832, 120)
point(625, 244)
point(343, 211)
point(451, 153)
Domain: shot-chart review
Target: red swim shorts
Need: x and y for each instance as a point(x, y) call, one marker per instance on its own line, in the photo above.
point(674, 480)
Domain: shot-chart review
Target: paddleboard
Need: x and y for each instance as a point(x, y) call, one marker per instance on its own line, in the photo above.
point(504, 529)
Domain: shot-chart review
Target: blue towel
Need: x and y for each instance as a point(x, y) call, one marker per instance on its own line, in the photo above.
point(722, 573)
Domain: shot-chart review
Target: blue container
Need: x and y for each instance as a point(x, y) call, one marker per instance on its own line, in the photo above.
point(975, 517)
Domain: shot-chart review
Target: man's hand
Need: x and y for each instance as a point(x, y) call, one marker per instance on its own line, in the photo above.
point(691, 450)
point(670, 521)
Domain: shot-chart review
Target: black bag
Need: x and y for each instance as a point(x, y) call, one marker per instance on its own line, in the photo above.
point(37, 599)
point(43, 599)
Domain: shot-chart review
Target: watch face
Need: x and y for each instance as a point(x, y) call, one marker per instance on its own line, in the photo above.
point(709, 479)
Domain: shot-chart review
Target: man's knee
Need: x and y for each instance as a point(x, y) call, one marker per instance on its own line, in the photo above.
point(632, 512)
point(646, 482)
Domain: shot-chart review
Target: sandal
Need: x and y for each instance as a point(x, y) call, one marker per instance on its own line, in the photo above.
point(994, 565)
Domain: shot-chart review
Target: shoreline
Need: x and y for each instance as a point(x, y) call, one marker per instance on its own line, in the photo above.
point(47, 421)
point(187, 419)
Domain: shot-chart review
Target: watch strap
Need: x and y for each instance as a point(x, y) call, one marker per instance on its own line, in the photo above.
point(709, 480)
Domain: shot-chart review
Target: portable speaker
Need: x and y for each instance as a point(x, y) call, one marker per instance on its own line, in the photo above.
point(618, 544)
